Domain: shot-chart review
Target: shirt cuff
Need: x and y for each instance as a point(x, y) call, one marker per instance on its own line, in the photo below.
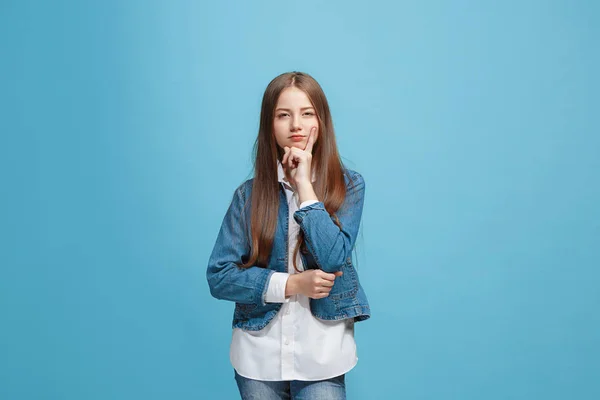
point(276, 289)
point(308, 203)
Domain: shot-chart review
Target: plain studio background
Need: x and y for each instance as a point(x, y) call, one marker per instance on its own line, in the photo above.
point(126, 126)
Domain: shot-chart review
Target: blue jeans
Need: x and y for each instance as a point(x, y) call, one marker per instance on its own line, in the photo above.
point(327, 389)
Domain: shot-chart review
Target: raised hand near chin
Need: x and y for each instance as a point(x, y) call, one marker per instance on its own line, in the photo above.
point(297, 162)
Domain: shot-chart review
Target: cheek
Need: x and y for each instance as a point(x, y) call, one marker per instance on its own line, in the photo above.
point(279, 133)
point(277, 129)
point(281, 123)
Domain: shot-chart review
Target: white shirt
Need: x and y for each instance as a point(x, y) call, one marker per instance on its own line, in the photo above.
point(295, 345)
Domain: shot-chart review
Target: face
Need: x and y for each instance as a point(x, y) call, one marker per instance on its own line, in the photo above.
point(294, 118)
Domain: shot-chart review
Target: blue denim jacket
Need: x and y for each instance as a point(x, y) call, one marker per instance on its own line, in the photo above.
point(329, 249)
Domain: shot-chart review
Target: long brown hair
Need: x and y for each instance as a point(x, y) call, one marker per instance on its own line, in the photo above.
point(329, 186)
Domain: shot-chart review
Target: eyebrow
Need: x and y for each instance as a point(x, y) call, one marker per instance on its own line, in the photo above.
point(287, 109)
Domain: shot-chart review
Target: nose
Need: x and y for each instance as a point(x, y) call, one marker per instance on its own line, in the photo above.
point(295, 123)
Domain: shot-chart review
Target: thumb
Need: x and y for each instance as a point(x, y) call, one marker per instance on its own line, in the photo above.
point(338, 273)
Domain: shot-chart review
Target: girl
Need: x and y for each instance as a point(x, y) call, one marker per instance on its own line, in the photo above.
point(283, 253)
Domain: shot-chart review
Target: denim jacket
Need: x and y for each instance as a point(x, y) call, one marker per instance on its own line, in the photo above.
point(329, 249)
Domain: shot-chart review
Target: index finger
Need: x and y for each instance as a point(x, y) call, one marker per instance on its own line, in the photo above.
point(311, 139)
point(329, 277)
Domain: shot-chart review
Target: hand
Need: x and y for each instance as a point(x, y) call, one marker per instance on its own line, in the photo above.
point(297, 162)
point(313, 283)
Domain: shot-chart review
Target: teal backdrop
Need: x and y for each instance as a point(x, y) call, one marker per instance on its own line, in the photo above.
point(126, 126)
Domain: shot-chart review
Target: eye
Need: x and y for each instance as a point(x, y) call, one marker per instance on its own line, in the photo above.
point(281, 115)
point(309, 113)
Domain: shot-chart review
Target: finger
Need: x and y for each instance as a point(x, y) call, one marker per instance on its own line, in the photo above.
point(287, 152)
point(338, 273)
point(311, 139)
point(329, 277)
point(292, 158)
point(326, 283)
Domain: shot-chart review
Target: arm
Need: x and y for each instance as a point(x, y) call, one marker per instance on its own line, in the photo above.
point(330, 245)
point(281, 284)
point(225, 279)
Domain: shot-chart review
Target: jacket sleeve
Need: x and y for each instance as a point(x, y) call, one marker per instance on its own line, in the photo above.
point(329, 245)
point(226, 280)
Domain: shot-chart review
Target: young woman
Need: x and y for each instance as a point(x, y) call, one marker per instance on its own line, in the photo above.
point(284, 253)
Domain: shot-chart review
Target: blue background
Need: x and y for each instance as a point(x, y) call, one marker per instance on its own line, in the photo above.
point(126, 126)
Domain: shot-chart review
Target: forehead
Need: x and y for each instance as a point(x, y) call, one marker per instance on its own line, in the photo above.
point(293, 97)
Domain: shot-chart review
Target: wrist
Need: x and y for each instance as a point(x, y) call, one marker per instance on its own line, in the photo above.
point(306, 191)
point(306, 184)
point(291, 287)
